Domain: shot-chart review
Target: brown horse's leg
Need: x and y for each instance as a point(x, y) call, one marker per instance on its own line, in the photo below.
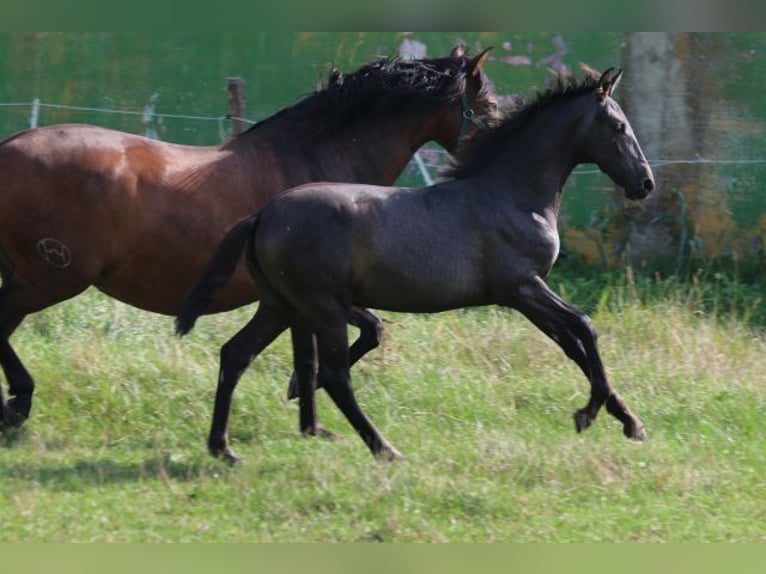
point(332, 344)
point(21, 386)
point(370, 334)
point(269, 321)
point(17, 300)
point(574, 333)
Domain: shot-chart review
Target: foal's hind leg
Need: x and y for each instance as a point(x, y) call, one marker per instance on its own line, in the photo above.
point(332, 344)
point(370, 334)
point(574, 333)
point(269, 321)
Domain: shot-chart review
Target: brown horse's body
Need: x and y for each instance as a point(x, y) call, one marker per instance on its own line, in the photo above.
point(139, 218)
point(97, 207)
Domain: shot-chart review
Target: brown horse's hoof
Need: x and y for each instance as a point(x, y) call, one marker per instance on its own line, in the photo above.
point(582, 420)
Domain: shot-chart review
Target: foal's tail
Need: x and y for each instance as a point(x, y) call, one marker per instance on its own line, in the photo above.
point(217, 272)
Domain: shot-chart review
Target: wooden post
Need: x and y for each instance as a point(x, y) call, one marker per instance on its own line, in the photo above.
point(669, 92)
point(235, 86)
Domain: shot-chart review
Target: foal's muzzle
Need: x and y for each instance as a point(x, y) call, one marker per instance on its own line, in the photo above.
point(642, 190)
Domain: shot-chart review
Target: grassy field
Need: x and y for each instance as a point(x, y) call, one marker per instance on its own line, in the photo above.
point(479, 402)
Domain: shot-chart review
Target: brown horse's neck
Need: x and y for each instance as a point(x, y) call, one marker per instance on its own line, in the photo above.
point(373, 151)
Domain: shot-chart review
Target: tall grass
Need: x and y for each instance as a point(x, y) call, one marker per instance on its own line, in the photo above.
point(479, 401)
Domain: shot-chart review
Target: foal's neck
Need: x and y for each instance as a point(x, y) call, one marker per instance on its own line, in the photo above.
point(544, 152)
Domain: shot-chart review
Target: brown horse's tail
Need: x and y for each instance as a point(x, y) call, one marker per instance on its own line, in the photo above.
point(217, 272)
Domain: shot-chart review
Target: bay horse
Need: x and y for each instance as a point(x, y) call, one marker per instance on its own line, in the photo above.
point(486, 236)
point(138, 218)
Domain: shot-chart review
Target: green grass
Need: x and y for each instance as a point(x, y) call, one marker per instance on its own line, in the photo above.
point(479, 402)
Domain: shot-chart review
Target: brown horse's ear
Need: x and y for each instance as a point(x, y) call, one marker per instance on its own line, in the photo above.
point(458, 51)
point(474, 66)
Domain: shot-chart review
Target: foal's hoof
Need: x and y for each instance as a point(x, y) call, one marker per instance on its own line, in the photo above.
point(634, 430)
point(388, 453)
point(320, 432)
point(582, 420)
point(227, 455)
point(11, 418)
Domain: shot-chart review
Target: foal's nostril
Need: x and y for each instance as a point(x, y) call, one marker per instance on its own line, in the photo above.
point(648, 185)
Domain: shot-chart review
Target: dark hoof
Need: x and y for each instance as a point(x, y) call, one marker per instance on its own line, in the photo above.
point(12, 418)
point(389, 454)
point(320, 432)
point(227, 455)
point(386, 451)
point(582, 420)
point(634, 430)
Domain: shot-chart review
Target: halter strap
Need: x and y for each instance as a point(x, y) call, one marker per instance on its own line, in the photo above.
point(469, 117)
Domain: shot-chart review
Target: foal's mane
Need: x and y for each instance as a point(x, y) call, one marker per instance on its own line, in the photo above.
point(381, 86)
point(476, 153)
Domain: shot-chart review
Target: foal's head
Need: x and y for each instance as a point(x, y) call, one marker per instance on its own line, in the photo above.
point(609, 142)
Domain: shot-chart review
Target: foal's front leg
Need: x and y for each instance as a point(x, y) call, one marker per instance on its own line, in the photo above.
point(575, 334)
point(332, 344)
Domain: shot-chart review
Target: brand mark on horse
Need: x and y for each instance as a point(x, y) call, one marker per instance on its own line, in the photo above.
point(54, 252)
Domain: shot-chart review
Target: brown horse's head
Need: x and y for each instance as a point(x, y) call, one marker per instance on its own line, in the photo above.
point(478, 103)
point(447, 98)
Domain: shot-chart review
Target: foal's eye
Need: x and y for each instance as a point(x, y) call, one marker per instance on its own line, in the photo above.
point(619, 128)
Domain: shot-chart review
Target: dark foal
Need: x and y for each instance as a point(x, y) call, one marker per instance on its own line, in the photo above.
point(488, 236)
point(139, 218)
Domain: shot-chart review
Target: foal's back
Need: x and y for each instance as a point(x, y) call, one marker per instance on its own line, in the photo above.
point(397, 249)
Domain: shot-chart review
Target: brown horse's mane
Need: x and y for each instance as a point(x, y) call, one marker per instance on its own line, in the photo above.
point(478, 151)
point(383, 85)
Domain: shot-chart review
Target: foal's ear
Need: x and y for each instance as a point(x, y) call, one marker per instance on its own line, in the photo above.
point(475, 64)
point(615, 81)
point(608, 81)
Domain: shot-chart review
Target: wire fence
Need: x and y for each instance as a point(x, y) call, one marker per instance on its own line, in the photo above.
point(587, 210)
point(428, 162)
